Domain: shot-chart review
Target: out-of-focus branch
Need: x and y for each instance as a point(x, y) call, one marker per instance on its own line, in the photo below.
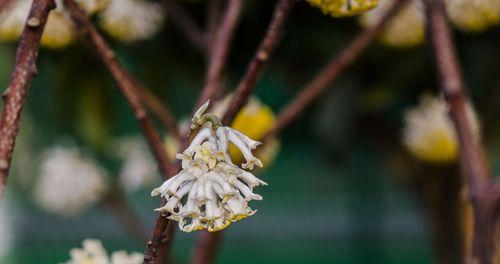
point(213, 14)
point(185, 23)
point(3, 4)
point(161, 112)
point(220, 50)
point(125, 82)
point(472, 158)
point(15, 94)
point(207, 247)
point(116, 201)
point(322, 81)
point(256, 67)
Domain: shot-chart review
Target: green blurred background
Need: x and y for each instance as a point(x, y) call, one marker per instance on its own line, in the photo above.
point(342, 190)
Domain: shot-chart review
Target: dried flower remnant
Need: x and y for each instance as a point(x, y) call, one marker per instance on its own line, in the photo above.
point(405, 29)
point(342, 8)
point(94, 253)
point(210, 192)
point(68, 182)
point(131, 20)
point(428, 131)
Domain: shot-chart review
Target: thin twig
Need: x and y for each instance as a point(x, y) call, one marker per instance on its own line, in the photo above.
point(126, 215)
point(472, 158)
point(159, 110)
point(256, 67)
point(185, 23)
point(220, 50)
point(322, 81)
point(17, 91)
point(125, 82)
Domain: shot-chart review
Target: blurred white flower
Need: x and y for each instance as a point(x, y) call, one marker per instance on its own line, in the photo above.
point(132, 20)
point(138, 167)
point(68, 182)
point(429, 133)
point(94, 253)
point(122, 257)
point(217, 191)
point(92, 6)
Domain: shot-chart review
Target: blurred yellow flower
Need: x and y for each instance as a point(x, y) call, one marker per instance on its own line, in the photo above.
point(405, 29)
point(429, 133)
point(58, 31)
point(342, 8)
point(473, 15)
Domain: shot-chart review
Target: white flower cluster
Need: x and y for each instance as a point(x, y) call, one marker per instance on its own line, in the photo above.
point(94, 253)
point(68, 182)
point(210, 191)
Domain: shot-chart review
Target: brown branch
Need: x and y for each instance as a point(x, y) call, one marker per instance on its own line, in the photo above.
point(116, 201)
point(220, 50)
point(3, 4)
point(322, 81)
point(125, 82)
point(213, 16)
point(472, 159)
point(185, 23)
point(206, 247)
point(160, 111)
point(15, 95)
point(256, 67)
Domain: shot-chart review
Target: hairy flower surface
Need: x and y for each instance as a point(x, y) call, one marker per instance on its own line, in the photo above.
point(429, 133)
point(68, 182)
point(405, 29)
point(138, 167)
point(341, 8)
point(94, 253)
point(132, 20)
point(210, 191)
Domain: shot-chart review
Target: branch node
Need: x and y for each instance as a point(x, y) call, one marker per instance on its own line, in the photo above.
point(33, 22)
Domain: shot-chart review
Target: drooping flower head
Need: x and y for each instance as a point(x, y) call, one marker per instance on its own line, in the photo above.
point(429, 133)
point(210, 192)
point(342, 8)
point(132, 20)
point(68, 181)
point(94, 253)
